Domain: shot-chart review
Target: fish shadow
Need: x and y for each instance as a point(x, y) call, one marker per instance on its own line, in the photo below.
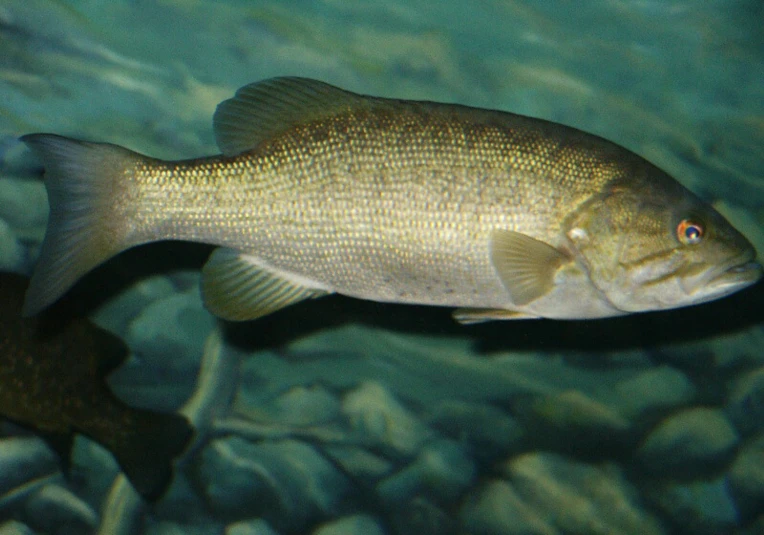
point(635, 331)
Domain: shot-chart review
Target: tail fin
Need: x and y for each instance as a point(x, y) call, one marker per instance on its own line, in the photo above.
point(149, 449)
point(81, 179)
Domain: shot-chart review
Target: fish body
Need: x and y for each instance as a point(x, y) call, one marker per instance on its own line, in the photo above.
point(320, 190)
point(52, 379)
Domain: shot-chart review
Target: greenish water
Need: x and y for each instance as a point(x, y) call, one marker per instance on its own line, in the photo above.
point(342, 417)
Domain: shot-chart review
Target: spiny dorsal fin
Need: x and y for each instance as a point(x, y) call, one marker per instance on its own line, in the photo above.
point(470, 316)
point(260, 110)
point(235, 288)
point(525, 265)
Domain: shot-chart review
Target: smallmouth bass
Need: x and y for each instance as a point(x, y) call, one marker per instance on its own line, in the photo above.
point(320, 190)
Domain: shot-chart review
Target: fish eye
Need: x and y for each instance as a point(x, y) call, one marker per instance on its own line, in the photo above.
point(689, 232)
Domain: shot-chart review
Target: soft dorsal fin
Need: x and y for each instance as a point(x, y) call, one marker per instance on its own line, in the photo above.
point(525, 265)
point(236, 288)
point(260, 110)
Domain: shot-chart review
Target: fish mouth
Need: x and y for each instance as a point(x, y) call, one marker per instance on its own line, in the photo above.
point(732, 276)
point(727, 278)
point(742, 274)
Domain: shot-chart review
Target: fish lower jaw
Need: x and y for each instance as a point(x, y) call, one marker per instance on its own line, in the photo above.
point(723, 282)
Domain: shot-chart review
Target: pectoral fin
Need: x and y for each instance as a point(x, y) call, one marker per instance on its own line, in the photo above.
point(525, 265)
point(469, 316)
point(236, 288)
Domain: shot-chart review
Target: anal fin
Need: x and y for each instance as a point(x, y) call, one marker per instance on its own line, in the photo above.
point(470, 316)
point(236, 288)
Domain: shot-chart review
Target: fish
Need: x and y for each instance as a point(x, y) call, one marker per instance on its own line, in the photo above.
point(319, 190)
point(52, 381)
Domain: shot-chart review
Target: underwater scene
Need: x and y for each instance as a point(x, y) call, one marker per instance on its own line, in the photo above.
point(287, 307)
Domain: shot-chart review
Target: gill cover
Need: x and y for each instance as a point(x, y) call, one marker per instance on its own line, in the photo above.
point(626, 245)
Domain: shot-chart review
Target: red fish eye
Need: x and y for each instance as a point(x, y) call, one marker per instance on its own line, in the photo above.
point(689, 232)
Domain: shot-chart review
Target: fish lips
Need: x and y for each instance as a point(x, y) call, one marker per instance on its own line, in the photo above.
point(728, 278)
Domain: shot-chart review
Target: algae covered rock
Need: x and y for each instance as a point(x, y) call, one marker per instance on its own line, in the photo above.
point(286, 482)
point(250, 527)
point(55, 509)
point(351, 525)
point(700, 507)
point(497, 509)
point(443, 470)
point(577, 497)
point(746, 478)
point(693, 441)
point(379, 418)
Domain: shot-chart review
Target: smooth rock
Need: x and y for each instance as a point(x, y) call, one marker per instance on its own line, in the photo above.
point(167, 339)
point(746, 402)
point(359, 462)
point(576, 497)
point(351, 525)
point(420, 516)
point(286, 482)
point(172, 528)
point(654, 391)
point(117, 313)
point(573, 420)
point(13, 527)
point(173, 325)
point(699, 507)
point(98, 466)
point(442, 470)
point(694, 441)
point(22, 460)
point(181, 503)
point(58, 511)
point(378, 418)
point(746, 478)
point(497, 509)
point(302, 406)
point(489, 431)
point(257, 526)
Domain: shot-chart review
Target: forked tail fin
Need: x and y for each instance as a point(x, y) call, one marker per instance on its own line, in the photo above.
point(81, 179)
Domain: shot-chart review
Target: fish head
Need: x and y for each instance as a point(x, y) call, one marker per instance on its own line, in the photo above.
point(651, 244)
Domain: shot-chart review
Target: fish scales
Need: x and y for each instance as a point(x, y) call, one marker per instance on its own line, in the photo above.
point(320, 190)
point(410, 186)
